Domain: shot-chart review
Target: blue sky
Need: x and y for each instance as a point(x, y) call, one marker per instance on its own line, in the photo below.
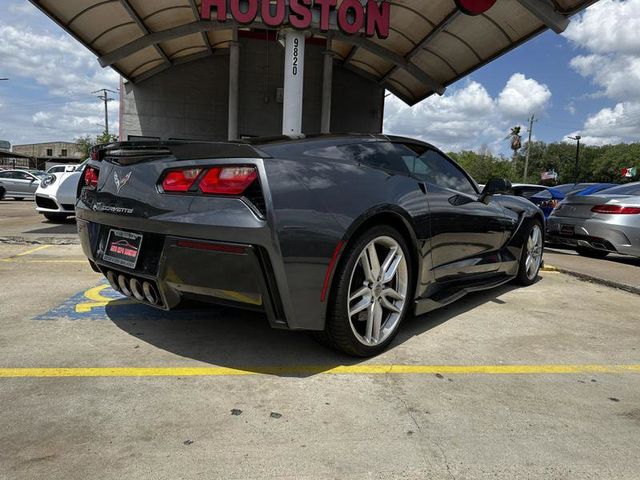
point(585, 81)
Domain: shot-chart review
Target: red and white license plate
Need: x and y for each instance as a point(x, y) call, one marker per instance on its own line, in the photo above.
point(123, 248)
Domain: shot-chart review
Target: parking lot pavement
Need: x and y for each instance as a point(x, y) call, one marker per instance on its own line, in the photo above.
point(619, 271)
point(19, 222)
point(542, 382)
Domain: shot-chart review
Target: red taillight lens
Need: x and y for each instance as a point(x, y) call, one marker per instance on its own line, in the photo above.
point(180, 180)
point(227, 180)
point(91, 177)
point(616, 210)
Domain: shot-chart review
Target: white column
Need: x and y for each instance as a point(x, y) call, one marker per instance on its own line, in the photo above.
point(234, 69)
point(327, 82)
point(293, 82)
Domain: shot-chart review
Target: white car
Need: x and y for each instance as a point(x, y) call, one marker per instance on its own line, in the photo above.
point(56, 195)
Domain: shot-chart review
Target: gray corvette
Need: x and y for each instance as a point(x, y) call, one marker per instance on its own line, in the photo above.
point(343, 235)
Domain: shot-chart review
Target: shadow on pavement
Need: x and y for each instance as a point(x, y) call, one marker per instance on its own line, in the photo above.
point(66, 228)
point(243, 340)
point(622, 259)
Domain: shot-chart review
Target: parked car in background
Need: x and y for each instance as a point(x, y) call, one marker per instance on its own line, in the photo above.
point(599, 224)
point(19, 184)
point(56, 194)
point(323, 233)
point(550, 197)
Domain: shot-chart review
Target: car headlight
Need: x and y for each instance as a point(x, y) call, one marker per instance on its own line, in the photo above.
point(47, 180)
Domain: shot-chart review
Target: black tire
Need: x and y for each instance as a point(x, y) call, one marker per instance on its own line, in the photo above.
point(524, 277)
point(338, 333)
point(18, 198)
point(56, 217)
point(591, 252)
point(2, 193)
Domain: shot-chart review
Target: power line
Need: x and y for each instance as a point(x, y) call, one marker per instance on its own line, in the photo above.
point(106, 99)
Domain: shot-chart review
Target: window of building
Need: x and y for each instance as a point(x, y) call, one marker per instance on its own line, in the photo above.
point(49, 152)
point(64, 152)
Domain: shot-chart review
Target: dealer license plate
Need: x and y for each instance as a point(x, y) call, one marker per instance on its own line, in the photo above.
point(123, 248)
point(567, 230)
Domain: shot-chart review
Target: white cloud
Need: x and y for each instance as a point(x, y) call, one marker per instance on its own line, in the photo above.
point(612, 125)
point(608, 30)
point(609, 26)
point(523, 96)
point(468, 117)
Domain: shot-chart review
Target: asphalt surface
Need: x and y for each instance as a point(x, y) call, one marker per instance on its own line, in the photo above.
point(621, 271)
point(529, 383)
point(19, 222)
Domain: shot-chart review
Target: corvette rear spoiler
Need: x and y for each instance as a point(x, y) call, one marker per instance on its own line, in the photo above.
point(129, 153)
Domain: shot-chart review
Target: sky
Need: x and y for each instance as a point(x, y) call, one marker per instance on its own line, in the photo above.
point(585, 81)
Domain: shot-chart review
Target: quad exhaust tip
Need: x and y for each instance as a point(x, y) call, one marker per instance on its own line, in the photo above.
point(132, 287)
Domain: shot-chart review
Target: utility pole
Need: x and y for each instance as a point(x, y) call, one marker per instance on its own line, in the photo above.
point(526, 161)
point(106, 99)
point(576, 168)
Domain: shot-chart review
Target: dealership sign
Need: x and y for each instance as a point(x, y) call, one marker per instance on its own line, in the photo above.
point(352, 17)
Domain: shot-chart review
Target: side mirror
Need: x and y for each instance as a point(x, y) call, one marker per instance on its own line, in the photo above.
point(494, 187)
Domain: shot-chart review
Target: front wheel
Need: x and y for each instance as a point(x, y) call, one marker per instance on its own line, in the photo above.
point(371, 295)
point(531, 257)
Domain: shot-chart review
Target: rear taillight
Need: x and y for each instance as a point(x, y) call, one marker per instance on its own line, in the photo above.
point(232, 180)
point(180, 180)
point(91, 177)
point(227, 180)
point(616, 210)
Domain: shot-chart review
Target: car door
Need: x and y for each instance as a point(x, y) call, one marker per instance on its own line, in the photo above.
point(466, 233)
point(25, 183)
point(11, 182)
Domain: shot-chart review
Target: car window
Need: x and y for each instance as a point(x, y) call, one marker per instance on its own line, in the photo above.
point(5, 174)
point(629, 189)
point(383, 155)
point(23, 176)
point(433, 167)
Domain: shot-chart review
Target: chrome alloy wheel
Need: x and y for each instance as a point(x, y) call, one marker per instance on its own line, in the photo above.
point(377, 291)
point(534, 252)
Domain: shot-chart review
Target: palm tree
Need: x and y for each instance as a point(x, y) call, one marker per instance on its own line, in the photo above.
point(515, 140)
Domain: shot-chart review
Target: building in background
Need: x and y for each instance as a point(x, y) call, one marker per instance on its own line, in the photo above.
point(41, 156)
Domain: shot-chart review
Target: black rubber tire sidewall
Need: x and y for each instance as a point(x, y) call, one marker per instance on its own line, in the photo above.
point(338, 331)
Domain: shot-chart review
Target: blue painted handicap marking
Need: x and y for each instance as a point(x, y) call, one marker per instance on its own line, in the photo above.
point(92, 304)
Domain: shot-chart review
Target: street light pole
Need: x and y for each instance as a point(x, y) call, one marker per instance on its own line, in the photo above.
point(576, 170)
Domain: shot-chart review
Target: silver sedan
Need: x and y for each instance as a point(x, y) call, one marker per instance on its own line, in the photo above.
point(596, 225)
point(19, 184)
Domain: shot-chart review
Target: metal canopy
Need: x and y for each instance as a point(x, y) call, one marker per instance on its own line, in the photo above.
point(431, 43)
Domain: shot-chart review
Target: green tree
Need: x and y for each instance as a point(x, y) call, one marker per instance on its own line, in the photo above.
point(85, 143)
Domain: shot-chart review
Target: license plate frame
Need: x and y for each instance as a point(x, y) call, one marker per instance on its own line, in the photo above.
point(123, 248)
point(567, 230)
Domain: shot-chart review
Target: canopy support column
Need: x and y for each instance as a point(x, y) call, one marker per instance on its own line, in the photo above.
point(234, 74)
point(293, 82)
point(327, 81)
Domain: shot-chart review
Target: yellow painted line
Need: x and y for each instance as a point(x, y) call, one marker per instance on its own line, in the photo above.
point(15, 260)
point(98, 300)
point(33, 250)
point(549, 268)
point(319, 369)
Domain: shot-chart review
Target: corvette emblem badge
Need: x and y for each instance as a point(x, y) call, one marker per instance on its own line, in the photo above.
point(120, 182)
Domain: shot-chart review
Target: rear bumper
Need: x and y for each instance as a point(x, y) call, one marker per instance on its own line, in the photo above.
point(178, 267)
point(596, 234)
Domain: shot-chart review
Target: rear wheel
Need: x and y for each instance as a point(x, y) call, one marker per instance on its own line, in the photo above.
point(371, 295)
point(2, 193)
point(531, 258)
point(591, 252)
point(55, 217)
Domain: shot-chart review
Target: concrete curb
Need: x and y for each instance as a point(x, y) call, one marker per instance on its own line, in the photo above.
point(68, 240)
point(589, 278)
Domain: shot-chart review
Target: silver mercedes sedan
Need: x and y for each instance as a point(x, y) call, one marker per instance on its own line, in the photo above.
point(596, 225)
